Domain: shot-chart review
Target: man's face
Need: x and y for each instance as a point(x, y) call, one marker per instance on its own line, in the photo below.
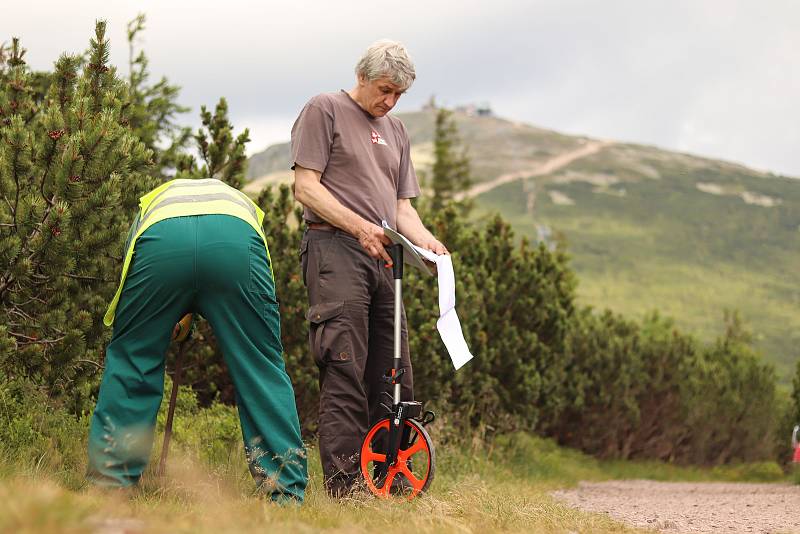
point(380, 96)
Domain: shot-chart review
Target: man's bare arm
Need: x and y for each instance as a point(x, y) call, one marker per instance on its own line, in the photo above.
point(312, 194)
point(410, 225)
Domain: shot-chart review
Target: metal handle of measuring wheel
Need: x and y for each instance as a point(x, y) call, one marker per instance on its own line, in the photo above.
point(396, 252)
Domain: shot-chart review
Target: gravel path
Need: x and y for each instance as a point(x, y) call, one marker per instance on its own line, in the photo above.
point(692, 506)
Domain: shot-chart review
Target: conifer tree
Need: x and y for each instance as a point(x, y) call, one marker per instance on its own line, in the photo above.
point(451, 169)
point(71, 172)
point(223, 157)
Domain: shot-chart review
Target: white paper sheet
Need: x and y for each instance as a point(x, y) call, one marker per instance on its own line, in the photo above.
point(448, 325)
point(450, 331)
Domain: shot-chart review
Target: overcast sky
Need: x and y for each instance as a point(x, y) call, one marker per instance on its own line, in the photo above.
point(719, 78)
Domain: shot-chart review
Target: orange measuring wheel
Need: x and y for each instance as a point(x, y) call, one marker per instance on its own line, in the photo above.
point(413, 468)
point(397, 454)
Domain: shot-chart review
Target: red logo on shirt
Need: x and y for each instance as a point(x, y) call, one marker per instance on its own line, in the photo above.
point(377, 139)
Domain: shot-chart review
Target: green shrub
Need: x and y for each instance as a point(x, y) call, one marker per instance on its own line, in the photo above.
point(733, 406)
point(515, 303)
point(625, 386)
point(648, 391)
point(38, 435)
point(794, 406)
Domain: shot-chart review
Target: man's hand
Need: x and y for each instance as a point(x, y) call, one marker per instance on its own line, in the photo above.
point(373, 239)
point(435, 246)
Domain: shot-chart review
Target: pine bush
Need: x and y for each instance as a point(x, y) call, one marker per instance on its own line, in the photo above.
point(71, 172)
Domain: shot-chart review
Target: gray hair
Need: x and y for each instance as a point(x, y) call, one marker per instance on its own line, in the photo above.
point(388, 59)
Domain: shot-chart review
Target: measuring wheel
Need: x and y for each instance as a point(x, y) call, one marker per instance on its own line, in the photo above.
point(414, 464)
point(397, 454)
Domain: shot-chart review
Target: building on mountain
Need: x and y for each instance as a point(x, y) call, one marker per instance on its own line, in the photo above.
point(481, 109)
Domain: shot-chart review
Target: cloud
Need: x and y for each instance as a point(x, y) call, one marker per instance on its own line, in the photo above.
point(717, 77)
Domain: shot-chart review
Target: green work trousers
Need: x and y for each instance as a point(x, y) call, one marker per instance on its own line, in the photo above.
point(215, 265)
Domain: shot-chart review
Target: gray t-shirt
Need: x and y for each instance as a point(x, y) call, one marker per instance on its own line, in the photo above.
point(365, 161)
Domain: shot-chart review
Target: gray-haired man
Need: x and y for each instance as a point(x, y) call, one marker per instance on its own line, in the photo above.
point(353, 170)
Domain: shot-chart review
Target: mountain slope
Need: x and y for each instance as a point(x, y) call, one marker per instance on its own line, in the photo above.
point(646, 228)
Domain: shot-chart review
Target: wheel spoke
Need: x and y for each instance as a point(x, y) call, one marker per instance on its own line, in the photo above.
point(411, 451)
point(371, 456)
point(384, 491)
point(415, 482)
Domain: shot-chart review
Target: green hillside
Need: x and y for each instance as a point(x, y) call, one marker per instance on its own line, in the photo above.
point(662, 243)
point(646, 228)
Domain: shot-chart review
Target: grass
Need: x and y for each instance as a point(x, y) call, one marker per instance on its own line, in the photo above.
point(503, 487)
point(470, 495)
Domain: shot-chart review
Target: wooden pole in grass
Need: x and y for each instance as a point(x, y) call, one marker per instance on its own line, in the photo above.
point(182, 333)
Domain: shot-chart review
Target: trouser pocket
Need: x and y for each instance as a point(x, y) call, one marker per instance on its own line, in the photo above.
point(330, 333)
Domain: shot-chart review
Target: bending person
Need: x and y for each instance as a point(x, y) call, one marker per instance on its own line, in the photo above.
point(196, 246)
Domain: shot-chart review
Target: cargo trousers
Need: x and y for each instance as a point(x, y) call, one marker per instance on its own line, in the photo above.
point(215, 265)
point(351, 336)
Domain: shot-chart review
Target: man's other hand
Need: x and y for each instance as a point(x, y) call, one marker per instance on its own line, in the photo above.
point(373, 240)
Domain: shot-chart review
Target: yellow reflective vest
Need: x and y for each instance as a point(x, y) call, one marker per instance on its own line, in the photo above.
point(181, 198)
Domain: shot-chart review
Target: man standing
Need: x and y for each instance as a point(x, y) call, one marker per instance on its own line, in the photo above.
point(197, 246)
point(353, 170)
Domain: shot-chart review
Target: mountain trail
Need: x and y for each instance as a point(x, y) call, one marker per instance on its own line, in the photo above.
point(546, 167)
